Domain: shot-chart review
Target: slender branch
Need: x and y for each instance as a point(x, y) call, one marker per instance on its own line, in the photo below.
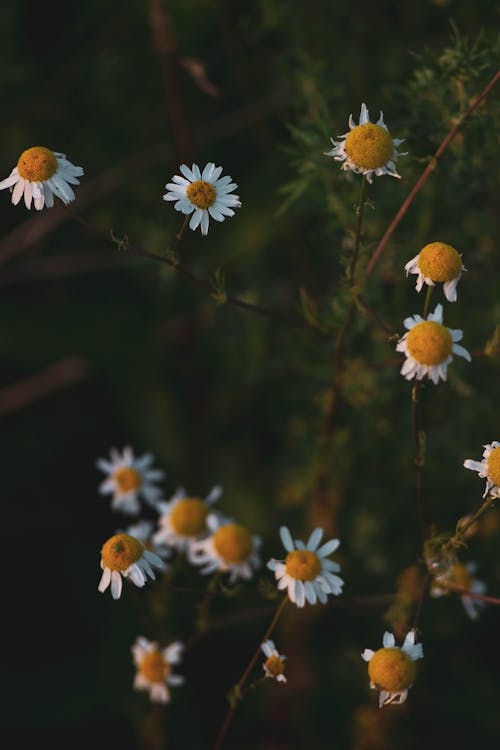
point(374, 316)
point(472, 595)
point(419, 458)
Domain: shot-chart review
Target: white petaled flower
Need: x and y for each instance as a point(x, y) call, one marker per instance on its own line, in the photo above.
point(488, 468)
point(274, 666)
point(429, 347)
point(437, 262)
point(129, 478)
point(39, 175)
point(460, 576)
point(306, 572)
point(124, 556)
point(391, 669)
point(154, 668)
point(230, 548)
point(367, 148)
point(143, 531)
point(183, 519)
point(204, 194)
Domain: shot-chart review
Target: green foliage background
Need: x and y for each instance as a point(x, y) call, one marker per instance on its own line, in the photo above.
point(220, 395)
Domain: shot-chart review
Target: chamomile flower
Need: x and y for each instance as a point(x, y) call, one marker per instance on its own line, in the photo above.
point(39, 175)
point(429, 347)
point(183, 519)
point(488, 468)
point(306, 572)
point(154, 668)
point(230, 548)
point(143, 531)
point(204, 194)
point(391, 669)
point(460, 576)
point(437, 262)
point(274, 666)
point(367, 148)
point(124, 556)
point(128, 478)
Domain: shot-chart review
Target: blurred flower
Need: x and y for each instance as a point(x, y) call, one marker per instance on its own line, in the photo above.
point(183, 519)
point(306, 572)
point(274, 666)
point(459, 576)
point(392, 669)
point(367, 148)
point(143, 531)
point(488, 468)
point(154, 668)
point(437, 262)
point(229, 548)
point(203, 194)
point(128, 479)
point(123, 555)
point(428, 347)
point(39, 175)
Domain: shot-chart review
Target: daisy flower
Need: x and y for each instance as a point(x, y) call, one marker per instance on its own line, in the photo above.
point(39, 175)
point(488, 468)
point(154, 668)
point(143, 531)
point(183, 519)
point(367, 148)
point(429, 347)
point(129, 478)
point(204, 194)
point(306, 572)
point(123, 555)
point(437, 262)
point(460, 576)
point(230, 548)
point(391, 669)
point(274, 666)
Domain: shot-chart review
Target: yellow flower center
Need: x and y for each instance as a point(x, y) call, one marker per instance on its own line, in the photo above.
point(392, 669)
point(202, 194)
point(369, 146)
point(120, 551)
point(494, 466)
point(233, 543)
point(440, 262)
point(430, 343)
point(302, 564)
point(127, 479)
point(154, 667)
point(188, 517)
point(275, 666)
point(37, 164)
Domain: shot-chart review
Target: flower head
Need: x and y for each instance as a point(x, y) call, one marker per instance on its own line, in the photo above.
point(460, 576)
point(229, 548)
point(204, 194)
point(129, 478)
point(367, 148)
point(154, 668)
point(125, 556)
point(39, 175)
point(274, 666)
point(391, 669)
point(488, 468)
point(437, 262)
point(429, 347)
point(306, 572)
point(183, 519)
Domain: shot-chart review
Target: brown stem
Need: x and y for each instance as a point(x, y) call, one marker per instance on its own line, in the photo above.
point(419, 459)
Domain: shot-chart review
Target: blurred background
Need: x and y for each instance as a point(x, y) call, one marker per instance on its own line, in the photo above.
point(100, 347)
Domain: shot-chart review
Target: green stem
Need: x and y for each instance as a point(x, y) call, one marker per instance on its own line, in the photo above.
point(359, 225)
point(428, 296)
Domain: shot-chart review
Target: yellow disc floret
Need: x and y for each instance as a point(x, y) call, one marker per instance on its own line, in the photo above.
point(440, 262)
point(127, 479)
point(430, 343)
point(303, 565)
point(392, 669)
point(154, 667)
point(37, 164)
point(202, 194)
point(369, 146)
point(233, 543)
point(121, 551)
point(188, 517)
point(494, 466)
point(275, 666)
